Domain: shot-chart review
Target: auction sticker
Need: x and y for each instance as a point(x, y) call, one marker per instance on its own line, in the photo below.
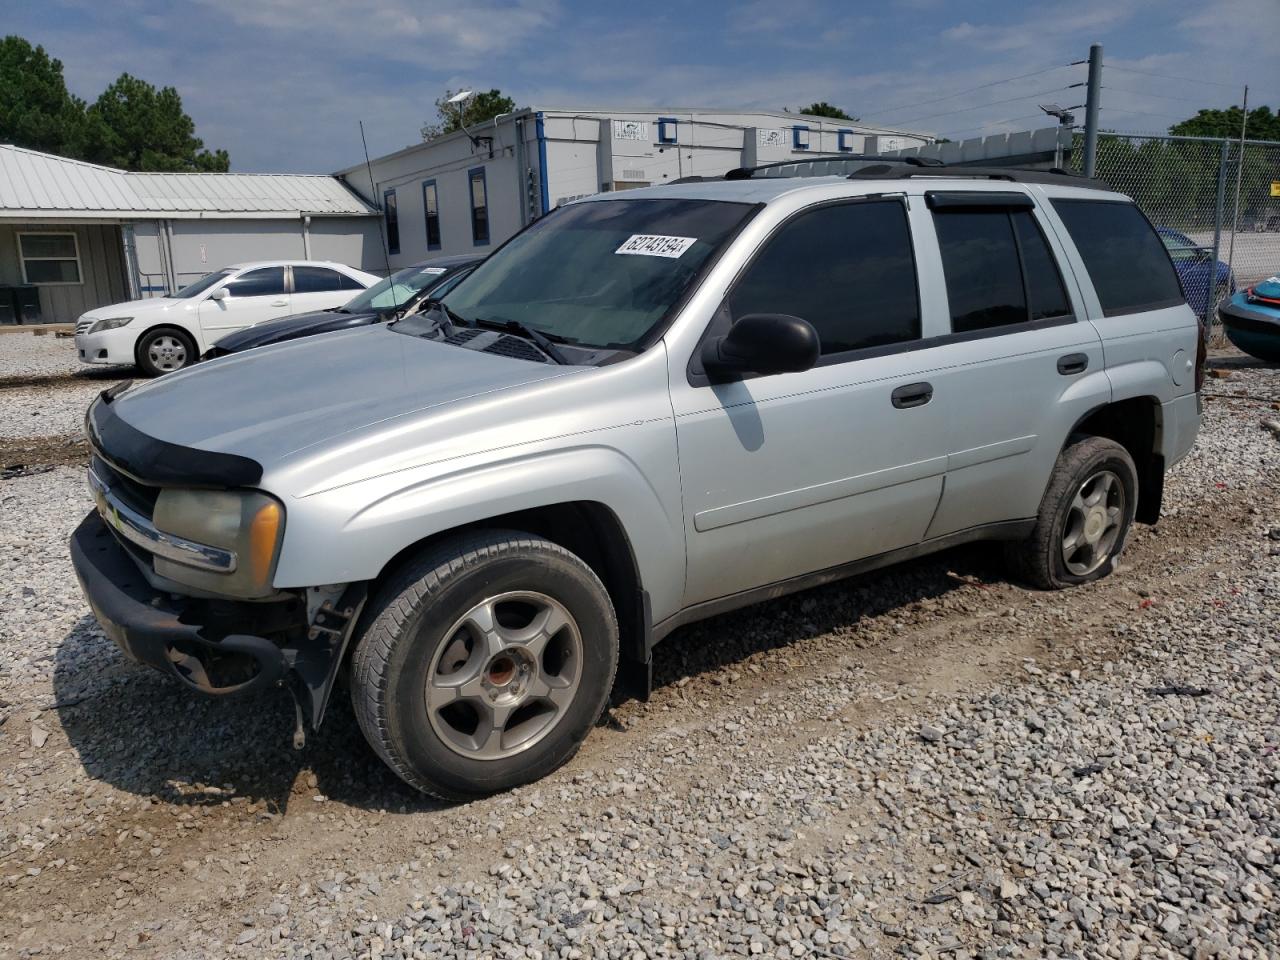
point(656, 245)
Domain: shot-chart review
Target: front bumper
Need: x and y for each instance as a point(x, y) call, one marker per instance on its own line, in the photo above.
point(214, 647)
point(191, 641)
point(111, 346)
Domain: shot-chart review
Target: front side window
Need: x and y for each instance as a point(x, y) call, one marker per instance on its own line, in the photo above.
point(847, 269)
point(602, 273)
point(999, 269)
point(1129, 266)
point(49, 258)
point(393, 221)
point(316, 280)
point(479, 207)
point(263, 282)
point(431, 213)
point(201, 285)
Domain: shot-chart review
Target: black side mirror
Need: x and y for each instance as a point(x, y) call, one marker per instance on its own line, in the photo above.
point(763, 343)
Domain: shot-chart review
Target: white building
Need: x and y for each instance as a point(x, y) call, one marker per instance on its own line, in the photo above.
point(471, 190)
point(76, 235)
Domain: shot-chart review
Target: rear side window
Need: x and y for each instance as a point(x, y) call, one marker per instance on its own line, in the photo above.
point(316, 280)
point(847, 269)
point(1127, 262)
point(998, 268)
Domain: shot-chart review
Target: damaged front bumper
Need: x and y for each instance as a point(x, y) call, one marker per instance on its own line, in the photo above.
point(214, 647)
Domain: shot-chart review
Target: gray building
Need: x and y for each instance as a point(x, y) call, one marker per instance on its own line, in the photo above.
point(75, 235)
point(471, 190)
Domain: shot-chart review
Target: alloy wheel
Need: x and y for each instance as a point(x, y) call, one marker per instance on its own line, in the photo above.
point(1094, 521)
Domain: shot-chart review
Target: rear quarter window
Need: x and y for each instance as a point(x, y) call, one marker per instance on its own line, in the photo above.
point(1126, 260)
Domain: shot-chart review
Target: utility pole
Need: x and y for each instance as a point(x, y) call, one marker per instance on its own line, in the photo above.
point(1235, 213)
point(1091, 105)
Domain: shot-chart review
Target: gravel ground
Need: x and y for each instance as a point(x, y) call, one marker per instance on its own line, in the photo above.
point(45, 388)
point(925, 762)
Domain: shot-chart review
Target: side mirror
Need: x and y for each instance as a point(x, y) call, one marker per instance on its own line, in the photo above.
point(763, 343)
point(219, 294)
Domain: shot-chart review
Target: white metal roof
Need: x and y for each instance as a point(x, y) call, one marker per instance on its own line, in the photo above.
point(41, 185)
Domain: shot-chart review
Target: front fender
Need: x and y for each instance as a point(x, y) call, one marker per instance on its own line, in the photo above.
point(350, 532)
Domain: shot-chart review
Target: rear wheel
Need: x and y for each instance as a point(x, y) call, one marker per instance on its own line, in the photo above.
point(485, 664)
point(1084, 518)
point(165, 350)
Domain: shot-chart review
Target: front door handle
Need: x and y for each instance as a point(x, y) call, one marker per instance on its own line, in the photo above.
point(912, 395)
point(1073, 363)
point(279, 303)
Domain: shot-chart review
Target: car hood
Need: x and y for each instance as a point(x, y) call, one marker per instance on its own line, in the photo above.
point(294, 325)
point(131, 307)
point(269, 403)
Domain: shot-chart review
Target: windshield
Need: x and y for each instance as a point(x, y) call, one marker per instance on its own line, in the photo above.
point(395, 291)
point(201, 285)
point(601, 273)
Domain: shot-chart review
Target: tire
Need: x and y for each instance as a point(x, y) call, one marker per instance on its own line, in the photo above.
point(1072, 542)
point(164, 350)
point(484, 664)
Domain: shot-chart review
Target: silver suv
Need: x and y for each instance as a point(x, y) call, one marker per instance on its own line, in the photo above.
point(644, 409)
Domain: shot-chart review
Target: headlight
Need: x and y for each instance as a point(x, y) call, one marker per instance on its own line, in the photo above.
point(248, 523)
point(110, 323)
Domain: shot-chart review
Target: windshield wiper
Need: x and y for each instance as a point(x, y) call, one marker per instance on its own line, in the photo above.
point(544, 341)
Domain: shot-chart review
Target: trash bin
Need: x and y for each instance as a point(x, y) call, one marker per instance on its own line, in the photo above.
point(26, 302)
point(8, 308)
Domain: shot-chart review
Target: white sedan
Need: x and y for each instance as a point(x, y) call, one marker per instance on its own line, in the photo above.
point(167, 333)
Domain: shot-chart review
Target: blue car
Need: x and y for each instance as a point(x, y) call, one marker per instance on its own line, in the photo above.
point(1201, 279)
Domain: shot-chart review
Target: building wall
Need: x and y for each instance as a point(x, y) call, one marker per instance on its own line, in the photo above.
point(585, 153)
point(102, 270)
point(202, 246)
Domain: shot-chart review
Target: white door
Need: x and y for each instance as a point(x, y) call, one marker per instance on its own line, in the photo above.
point(795, 473)
point(320, 288)
point(252, 297)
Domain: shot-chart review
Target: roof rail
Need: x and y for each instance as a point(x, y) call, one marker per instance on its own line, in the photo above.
point(1055, 175)
point(825, 165)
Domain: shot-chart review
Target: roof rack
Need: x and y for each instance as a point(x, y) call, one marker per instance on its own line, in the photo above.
point(1055, 175)
point(872, 167)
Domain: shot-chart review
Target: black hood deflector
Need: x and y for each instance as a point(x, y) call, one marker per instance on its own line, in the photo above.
point(158, 462)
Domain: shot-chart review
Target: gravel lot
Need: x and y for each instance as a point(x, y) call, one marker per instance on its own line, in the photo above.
point(926, 762)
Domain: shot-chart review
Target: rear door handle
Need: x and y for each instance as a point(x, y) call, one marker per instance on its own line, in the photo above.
point(1073, 363)
point(912, 395)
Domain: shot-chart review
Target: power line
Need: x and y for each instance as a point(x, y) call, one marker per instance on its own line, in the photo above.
point(1143, 93)
point(961, 93)
point(990, 103)
point(1166, 76)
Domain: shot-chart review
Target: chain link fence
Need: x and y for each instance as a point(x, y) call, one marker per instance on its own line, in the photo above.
point(1188, 187)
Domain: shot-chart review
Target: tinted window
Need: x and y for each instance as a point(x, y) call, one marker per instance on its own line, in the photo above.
point(980, 263)
point(479, 207)
point(1127, 262)
point(1044, 282)
point(263, 282)
point(847, 269)
point(315, 280)
point(349, 283)
point(431, 212)
point(393, 221)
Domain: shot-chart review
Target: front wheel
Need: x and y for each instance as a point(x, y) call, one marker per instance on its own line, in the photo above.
point(164, 351)
point(485, 664)
point(1084, 518)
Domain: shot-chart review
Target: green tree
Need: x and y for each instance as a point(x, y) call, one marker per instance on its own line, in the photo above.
point(134, 126)
point(1263, 124)
point(36, 109)
point(824, 109)
point(485, 105)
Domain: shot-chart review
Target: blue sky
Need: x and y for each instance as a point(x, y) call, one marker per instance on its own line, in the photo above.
point(281, 84)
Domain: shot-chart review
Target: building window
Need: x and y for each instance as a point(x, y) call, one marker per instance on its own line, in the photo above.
point(799, 137)
point(431, 213)
point(49, 258)
point(393, 221)
point(479, 207)
point(844, 141)
point(667, 129)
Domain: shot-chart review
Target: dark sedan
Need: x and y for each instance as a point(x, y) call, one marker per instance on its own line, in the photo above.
point(394, 297)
